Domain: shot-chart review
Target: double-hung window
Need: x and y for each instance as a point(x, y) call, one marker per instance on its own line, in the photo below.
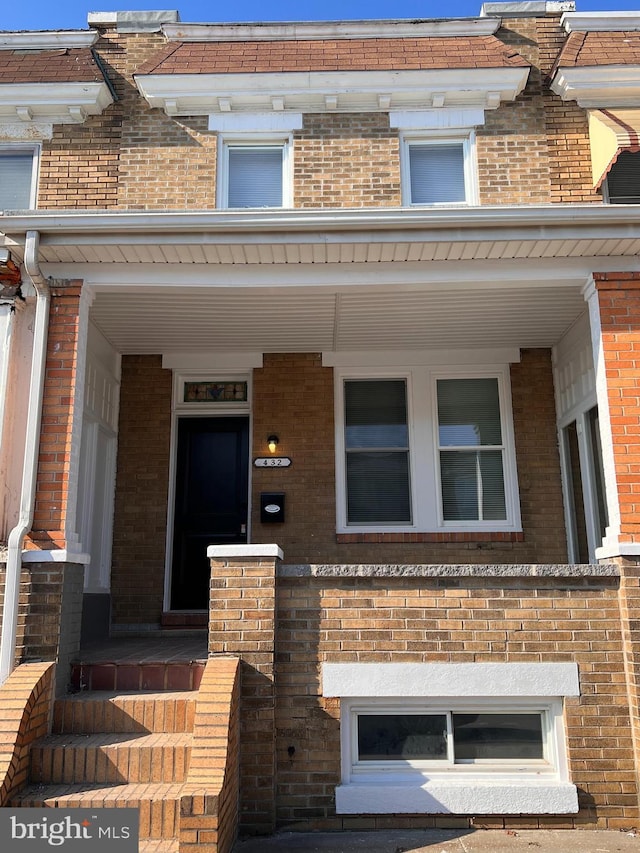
point(254, 173)
point(18, 174)
point(438, 171)
point(426, 451)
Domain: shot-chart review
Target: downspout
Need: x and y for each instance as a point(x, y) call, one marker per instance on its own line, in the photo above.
point(31, 450)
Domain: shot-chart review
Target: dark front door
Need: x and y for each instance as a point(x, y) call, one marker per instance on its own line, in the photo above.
point(211, 501)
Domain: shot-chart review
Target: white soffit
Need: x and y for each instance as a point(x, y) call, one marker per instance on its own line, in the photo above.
point(58, 103)
point(599, 86)
point(332, 91)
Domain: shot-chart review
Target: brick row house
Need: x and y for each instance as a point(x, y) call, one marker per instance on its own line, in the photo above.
point(323, 340)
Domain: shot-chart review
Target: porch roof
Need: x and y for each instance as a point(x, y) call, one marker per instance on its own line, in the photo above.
point(260, 281)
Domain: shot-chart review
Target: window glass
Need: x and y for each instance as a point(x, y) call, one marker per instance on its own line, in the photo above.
point(472, 480)
point(377, 452)
point(16, 175)
point(402, 736)
point(255, 176)
point(437, 173)
point(497, 736)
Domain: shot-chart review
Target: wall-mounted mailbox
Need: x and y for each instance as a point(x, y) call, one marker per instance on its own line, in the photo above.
point(271, 507)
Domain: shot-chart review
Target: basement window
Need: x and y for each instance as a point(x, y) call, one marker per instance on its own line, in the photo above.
point(453, 738)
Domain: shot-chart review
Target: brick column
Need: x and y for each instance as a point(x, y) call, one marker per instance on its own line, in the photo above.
point(242, 623)
point(49, 530)
point(615, 322)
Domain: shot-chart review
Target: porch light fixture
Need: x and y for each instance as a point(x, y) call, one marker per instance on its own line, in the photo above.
point(273, 441)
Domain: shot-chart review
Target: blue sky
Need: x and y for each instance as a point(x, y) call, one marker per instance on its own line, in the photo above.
point(44, 14)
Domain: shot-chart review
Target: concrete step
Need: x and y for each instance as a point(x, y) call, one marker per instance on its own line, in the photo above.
point(109, 675)
point(158, 803)
point(111, 758)
point(114, 711)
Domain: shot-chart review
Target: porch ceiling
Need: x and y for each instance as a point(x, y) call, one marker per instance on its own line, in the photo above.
point(216, 320)
point(333, 280)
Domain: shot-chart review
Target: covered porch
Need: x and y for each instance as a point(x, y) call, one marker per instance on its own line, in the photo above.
point(220, 330)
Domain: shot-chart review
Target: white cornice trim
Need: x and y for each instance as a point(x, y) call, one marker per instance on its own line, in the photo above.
point(49, 40)
point(598, 86)
point(58, 103)
point(316, 30)
point(600, 22)
point(572, 218)
point(323, 91)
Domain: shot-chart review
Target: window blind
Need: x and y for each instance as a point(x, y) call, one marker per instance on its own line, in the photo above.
point(437, 173)
point(471, 451)
point(16, 171)
point(377, 451)
point(255, 176)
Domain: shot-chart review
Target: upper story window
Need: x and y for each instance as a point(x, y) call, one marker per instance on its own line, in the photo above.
point(18, 177)
point(254, 173)
point(623, 181)
point(426, 450)
point(438, 171)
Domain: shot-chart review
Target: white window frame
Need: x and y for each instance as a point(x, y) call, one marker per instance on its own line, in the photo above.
point(468, 143)
point(424, 459)
point(35, 150)
point(261, 140)
point(431, 787)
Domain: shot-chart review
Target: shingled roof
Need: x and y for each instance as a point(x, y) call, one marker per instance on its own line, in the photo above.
point(371, 54)
point(67, 65)
point(600, 48)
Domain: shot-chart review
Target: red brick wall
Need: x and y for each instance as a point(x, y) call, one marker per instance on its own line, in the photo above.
point(51, 503)
point(619, 299)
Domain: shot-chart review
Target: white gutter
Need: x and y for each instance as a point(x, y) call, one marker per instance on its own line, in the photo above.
point(506, 218)
point(32, 445)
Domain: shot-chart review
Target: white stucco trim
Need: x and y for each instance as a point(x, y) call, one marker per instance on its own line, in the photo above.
point(58, 103)
point(56, 556)
point(612, 547)
point(450, 679)
point(445, 118)
point(295, 30)
point(472, 796)
point(233, 552)
point(593, 22)
point(47, 39)
point(255, 122)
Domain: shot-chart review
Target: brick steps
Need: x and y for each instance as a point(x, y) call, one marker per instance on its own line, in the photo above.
point(112, 757)
point(112, 749)
point(158, 803)
point(107, 675)
point(155, 845)
point(109, 711)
